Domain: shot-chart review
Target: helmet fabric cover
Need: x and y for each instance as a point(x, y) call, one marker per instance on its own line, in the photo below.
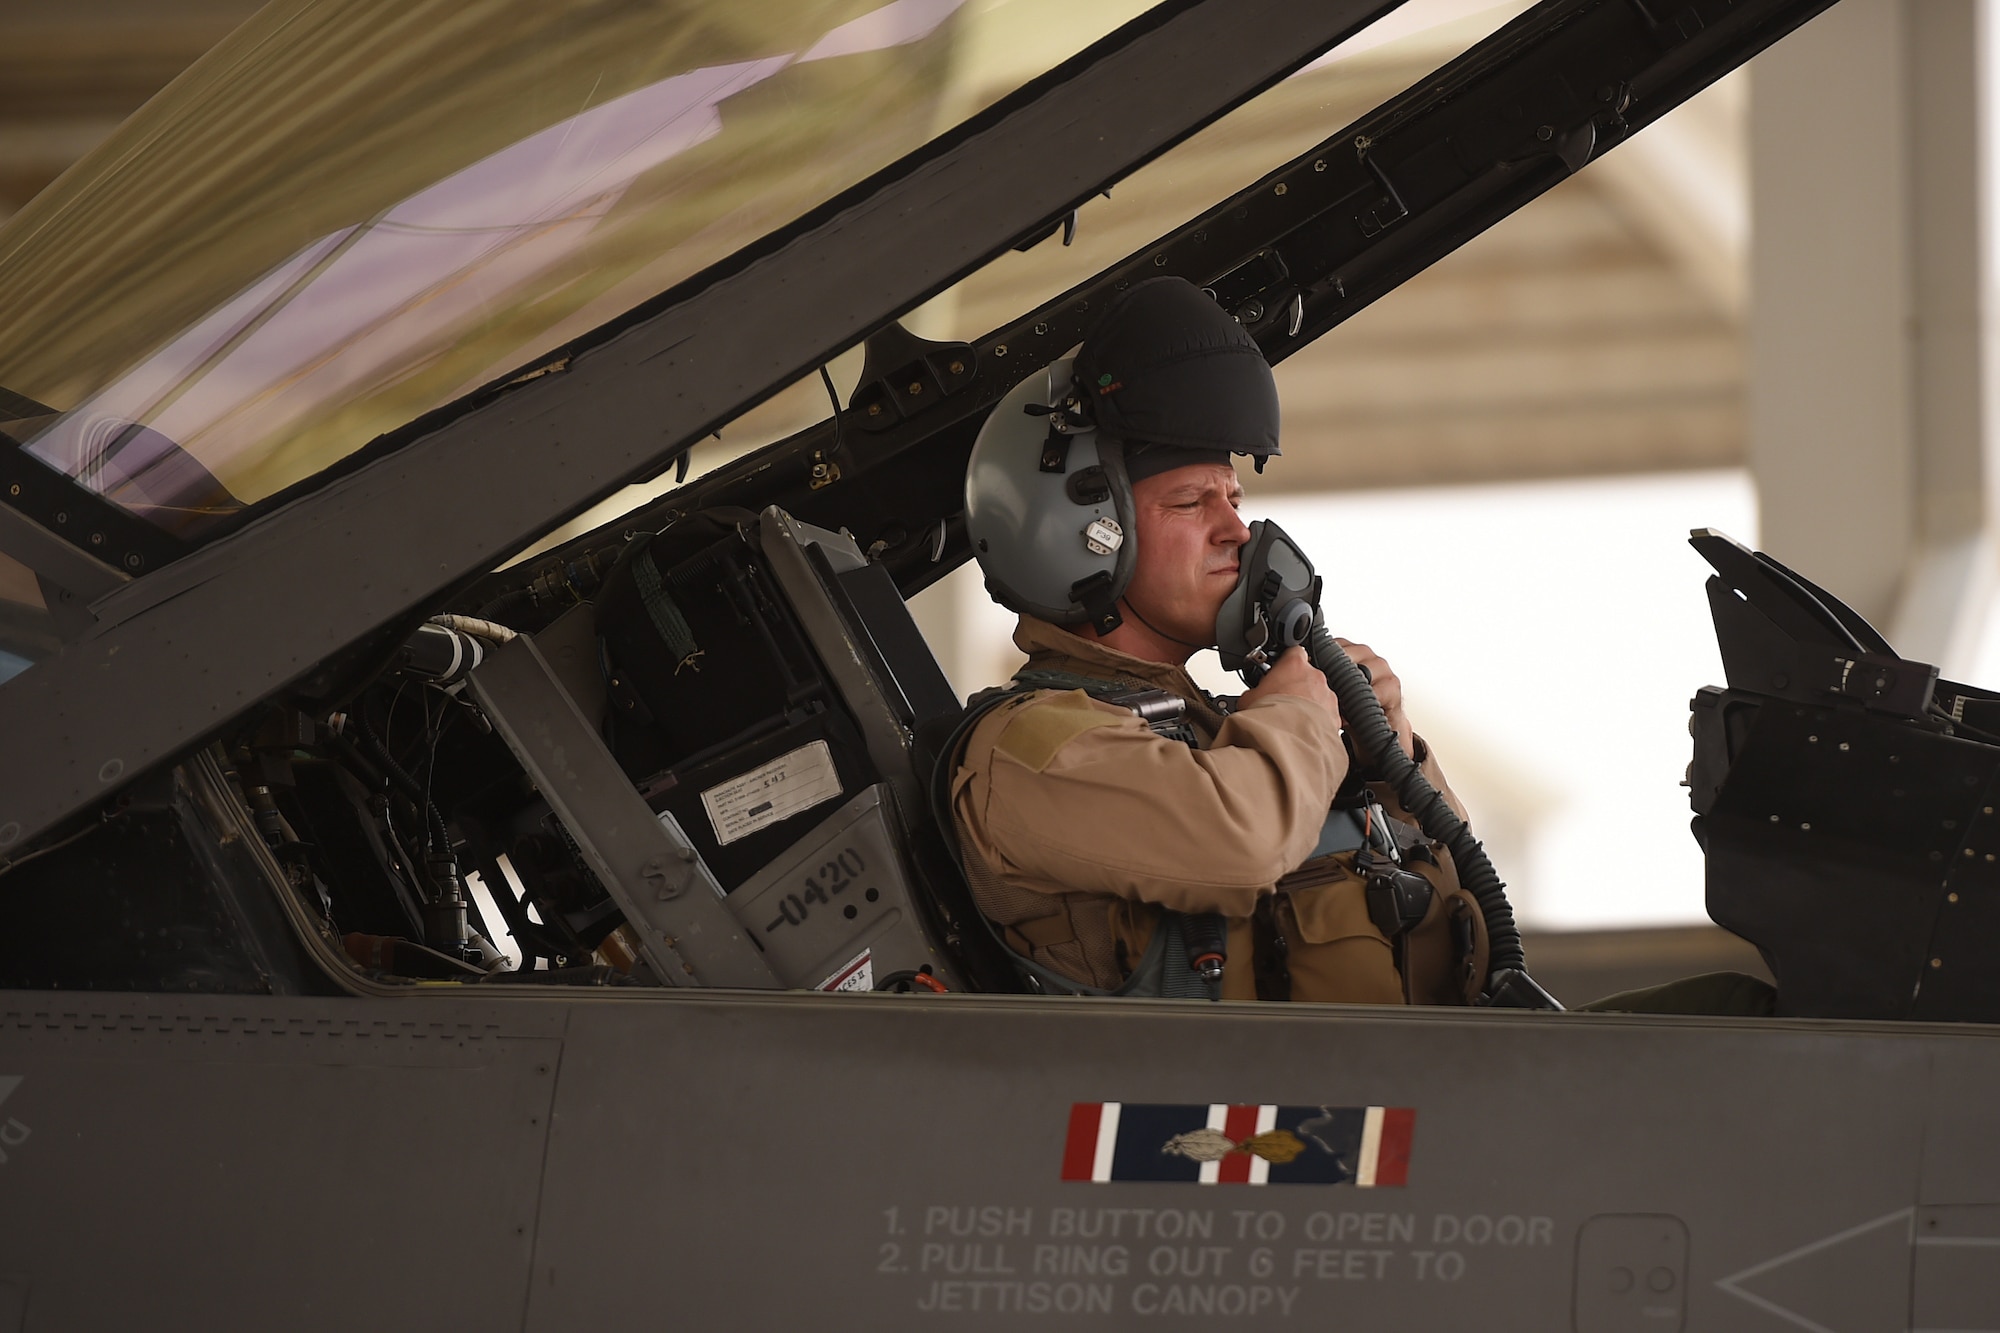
point(1168, 366)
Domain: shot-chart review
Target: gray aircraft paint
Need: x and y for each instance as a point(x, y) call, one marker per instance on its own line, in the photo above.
point(708, 1161)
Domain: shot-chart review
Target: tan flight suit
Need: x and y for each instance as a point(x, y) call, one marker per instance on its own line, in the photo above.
point(1078, 824)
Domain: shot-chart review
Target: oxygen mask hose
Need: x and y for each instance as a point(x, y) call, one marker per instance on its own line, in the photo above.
point(1508, 985)
point(1275, 606)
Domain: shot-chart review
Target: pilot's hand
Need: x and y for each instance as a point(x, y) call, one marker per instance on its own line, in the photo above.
point(1295, 674)
point(1388, 689)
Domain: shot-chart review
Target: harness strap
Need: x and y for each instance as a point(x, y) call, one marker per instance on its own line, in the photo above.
point(1163, 969)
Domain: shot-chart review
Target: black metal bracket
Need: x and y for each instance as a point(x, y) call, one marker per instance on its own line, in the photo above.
point(1784, 637)
point(123, 544)
point(902, 375)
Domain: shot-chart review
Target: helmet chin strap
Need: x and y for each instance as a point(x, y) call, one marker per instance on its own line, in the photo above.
point(1140, 616)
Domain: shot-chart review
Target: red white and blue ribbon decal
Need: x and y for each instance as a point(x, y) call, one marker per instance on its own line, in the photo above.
point(1365, 1146)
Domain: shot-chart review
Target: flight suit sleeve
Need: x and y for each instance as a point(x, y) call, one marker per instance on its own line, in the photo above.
point(1065, 793)
point(1428, 766)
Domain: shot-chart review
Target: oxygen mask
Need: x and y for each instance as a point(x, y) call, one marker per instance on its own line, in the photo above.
point(1275, 607)
point(1271, 608)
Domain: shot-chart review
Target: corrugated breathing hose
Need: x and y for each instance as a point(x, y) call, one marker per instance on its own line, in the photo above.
point(1508, 984)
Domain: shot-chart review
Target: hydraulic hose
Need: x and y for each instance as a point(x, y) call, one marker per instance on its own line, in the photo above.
point(1507, 982)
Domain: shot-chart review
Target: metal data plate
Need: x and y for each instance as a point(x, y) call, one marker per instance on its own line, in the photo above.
point(645, 862)
point(834, 911)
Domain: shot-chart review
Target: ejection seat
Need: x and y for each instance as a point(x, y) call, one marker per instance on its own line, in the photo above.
point(762, 688)
point(1845, 798)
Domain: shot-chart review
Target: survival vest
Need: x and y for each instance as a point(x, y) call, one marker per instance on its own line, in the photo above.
point(1372, 881)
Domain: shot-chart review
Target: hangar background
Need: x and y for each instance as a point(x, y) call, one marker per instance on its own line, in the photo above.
point(1768, 314)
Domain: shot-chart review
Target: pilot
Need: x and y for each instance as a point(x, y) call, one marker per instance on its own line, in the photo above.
point(1109, 813)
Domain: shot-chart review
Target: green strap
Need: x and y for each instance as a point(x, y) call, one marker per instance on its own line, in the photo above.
point(1037, 678)
point(667, 619)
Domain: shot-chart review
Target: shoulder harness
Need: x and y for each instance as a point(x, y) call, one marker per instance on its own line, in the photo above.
point(1168, 969)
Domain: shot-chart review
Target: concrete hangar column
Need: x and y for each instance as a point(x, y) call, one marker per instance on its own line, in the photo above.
point(1872, 429)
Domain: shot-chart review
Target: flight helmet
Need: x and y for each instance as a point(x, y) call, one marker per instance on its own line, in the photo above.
point(1165, 379)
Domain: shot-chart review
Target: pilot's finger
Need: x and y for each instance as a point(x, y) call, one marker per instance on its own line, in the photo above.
point(1293, 673)
point(1388, 685)
point(1359, 652)
point(1361, 655)
point(1301, 665)
point(1292, 660)
point(1388, 688)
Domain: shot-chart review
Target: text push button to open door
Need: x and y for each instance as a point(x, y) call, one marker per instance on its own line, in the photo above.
point(1631, 1274)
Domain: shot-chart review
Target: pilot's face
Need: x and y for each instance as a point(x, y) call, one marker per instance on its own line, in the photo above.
point(1189, 534)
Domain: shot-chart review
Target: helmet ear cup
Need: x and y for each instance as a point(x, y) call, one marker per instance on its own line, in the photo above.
point(1052, 528)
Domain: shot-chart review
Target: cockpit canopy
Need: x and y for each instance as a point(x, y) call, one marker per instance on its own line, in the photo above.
point(332, 225)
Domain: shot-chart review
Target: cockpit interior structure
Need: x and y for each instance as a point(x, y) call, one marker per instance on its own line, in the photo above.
point(464, 864)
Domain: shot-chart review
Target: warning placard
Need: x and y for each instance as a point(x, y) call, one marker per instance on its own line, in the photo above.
point(858, 974)
point(774, 791)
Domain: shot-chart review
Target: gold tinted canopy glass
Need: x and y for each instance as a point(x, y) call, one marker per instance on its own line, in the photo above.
point(352, 212)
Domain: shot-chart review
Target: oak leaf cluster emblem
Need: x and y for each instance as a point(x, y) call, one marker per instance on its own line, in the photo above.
point(1212, 1145)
